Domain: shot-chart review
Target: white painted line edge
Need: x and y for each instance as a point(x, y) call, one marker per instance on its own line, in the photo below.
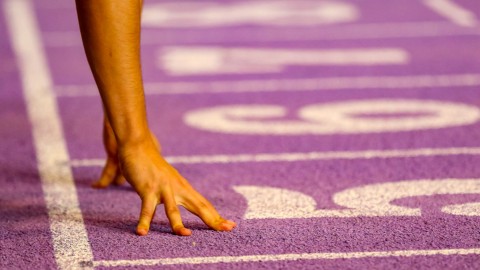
point(70, 241)
point(292, 85)
point(362, 31)
point(289, 257)
point(301, 156)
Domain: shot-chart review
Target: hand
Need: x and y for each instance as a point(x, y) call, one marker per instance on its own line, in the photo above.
point(150, 189)
point(157, 182)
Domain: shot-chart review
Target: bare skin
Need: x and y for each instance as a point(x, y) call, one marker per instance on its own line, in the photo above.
point(111, 37)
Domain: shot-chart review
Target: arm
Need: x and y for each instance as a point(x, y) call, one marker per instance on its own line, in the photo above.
point(111, 37)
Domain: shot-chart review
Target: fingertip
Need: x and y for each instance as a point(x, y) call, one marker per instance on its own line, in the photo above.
point(142, 231)
point(99, 185)
point(183, 232)
point(226, 226)
point(234, 225)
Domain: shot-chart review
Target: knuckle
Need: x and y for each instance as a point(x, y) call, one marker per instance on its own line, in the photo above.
point(145, 213)
point(173, 210)
point(202, 205)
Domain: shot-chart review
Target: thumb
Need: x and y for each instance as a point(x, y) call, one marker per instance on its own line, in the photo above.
point(149, 204)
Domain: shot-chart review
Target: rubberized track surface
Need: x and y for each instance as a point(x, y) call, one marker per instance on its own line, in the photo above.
point(338, 134)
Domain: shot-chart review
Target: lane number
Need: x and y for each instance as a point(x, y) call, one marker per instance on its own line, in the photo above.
point(346, 117)
point(371, 200)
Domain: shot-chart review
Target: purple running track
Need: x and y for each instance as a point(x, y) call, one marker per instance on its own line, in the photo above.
point(236, 100)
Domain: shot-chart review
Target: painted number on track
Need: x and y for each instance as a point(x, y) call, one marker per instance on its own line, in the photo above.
point(198, 14)
point(348, 117)
point(370, 200)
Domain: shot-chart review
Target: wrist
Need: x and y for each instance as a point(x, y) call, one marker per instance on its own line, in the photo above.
point(131, 129)
point(136, 145)
point(134, 137)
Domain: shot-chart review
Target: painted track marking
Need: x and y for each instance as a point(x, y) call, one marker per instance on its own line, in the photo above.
point(453, 12)
point(70, 240)
point(58, 181)
point(307, 156)
point(203, 14)
point(368, 200)
point(293, 85)
point(200, 60)
point(289, 257)
point(343, 117)
point(340, 32)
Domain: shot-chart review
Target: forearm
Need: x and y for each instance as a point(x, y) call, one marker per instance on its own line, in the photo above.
point(111, 37)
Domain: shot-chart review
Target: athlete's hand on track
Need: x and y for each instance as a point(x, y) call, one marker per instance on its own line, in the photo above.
point(156, 182)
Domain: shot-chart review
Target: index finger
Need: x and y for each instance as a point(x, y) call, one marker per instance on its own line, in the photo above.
point(173, 214)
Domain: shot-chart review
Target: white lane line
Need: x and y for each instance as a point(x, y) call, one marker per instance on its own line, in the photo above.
point(339, 32)
point(293, 157)
point(70, 241)
point(290, 257)
point(292, 85)
point(195, 60)
point(453, 12)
